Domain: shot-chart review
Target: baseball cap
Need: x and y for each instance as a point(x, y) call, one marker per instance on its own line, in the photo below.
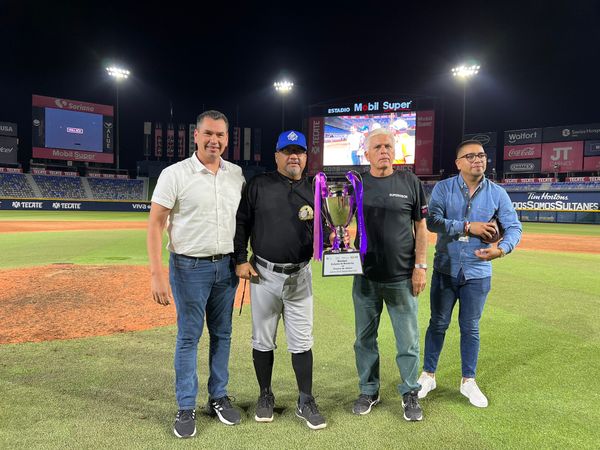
point(291, 137)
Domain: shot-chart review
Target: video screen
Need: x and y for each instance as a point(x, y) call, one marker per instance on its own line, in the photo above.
point(345, 136)
point(73, 130)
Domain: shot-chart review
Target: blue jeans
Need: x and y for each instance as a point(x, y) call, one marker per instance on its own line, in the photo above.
point(471, 294)
point(200, 288)
point(402, 307)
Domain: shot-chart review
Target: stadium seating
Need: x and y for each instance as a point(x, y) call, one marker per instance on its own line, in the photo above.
point(60, 187)
point(15, 185)
point(116, 189)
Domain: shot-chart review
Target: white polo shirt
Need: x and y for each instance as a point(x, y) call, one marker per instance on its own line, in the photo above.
point(203, 206)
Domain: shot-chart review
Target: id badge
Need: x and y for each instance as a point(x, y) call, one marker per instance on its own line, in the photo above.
point(464, 238)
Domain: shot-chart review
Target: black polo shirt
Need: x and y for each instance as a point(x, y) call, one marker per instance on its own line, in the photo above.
point(271, 214)
point(391, 205)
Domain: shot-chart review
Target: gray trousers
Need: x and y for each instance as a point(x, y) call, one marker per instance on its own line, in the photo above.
point(274, 295)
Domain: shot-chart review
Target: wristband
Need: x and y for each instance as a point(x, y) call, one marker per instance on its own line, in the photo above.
point(502, 252)
point(467, 227)
point(421, 266)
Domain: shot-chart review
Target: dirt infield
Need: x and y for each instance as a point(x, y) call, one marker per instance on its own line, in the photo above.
point(64, 301)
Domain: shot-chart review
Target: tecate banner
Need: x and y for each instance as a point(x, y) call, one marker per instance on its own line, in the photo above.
point(54, 205)
point(8, 150)
point(562, 156)
point(526, 151)
point(572, 133)
point(487, 139)
point(8, 129)
point(523, 166)
point(527, 136)
point(556, 201)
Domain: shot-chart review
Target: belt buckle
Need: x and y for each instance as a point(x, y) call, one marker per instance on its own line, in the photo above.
point(215, 258)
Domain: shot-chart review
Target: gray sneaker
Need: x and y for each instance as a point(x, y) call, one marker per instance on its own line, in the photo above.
point(221, 407)
point(364, 403)
point(185, 423)
point(310, 412)
point(264, 407)
point(412, 409)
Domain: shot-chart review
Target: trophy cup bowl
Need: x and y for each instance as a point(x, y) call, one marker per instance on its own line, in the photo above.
point(338, 209)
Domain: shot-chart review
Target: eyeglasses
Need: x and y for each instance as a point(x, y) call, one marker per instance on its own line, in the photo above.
point(471, 156)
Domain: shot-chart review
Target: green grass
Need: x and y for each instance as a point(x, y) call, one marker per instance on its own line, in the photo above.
point(562, 228)
point(73, 216)
point(540, 340)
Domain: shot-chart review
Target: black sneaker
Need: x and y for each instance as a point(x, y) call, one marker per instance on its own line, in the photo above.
point(264, 407)
point(185, 423)
point(310, 412)
point(412, 409)
point(221, 407)
point(364, 403)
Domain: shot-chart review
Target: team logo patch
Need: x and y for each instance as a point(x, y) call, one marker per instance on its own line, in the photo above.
point(305, 213)
point(292, 136)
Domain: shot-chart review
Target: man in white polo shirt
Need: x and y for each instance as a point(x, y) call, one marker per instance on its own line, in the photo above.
point(197, 200)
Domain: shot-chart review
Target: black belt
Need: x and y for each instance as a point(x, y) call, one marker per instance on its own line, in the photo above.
point(285, 269)
point(212, 258)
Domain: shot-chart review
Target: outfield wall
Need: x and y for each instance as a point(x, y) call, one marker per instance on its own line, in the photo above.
point(30, 204)
point(561, 207)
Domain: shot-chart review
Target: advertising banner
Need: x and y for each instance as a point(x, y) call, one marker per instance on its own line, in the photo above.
point(424, 142)
point(170, 140)
point(562, 156)
point(236, 143)
point(158, 140)
point(526, 136)
point(72, 155)
point(525, 151)
point(315, 145)
point(487, 139)
point(256, 143)
point(591, 164)
point(192, 146)
point(247, 140)
point(592, 148)
point(80, 205)
point(8, 129)
point(9, 146)
point(556, 201)
point(147, 134)
point(523, 166)
point(181, 141)
point(572, 133)
point(71, 105)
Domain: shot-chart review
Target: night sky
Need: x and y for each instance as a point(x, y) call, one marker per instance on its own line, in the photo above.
point(540, 61)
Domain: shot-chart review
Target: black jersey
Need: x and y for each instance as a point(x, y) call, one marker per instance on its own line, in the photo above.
point(276, 213)
point(391, 205)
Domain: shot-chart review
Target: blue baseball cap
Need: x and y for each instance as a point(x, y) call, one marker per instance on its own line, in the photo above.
point(291, 137)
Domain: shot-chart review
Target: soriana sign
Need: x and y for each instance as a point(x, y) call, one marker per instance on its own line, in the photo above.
point(562, 156)
point(526, 151)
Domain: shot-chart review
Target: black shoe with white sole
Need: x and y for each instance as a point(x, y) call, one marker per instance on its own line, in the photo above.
point(185, 423)
point(221, 407)
point(310, 413)
point(412, 409)
point(364, 403)
point(264, 407)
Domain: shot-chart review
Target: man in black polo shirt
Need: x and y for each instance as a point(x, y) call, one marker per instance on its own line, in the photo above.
point(276, 213)
point(394, 273)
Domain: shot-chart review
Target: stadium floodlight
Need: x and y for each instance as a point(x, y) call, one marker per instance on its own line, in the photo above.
point(283, 87)
point(464, 72)
point(118, 74)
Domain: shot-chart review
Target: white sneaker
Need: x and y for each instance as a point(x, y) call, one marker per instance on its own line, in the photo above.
point(427, 384)
point(470, 390)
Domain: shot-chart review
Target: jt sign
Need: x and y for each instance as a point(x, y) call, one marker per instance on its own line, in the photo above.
point(562, 156)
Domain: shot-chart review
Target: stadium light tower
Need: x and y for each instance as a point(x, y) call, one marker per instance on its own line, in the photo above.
point(464, 73)
point(283, 87)
point(119, 74)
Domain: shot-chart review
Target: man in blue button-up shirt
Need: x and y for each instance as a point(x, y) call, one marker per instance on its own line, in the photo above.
point(460, 211)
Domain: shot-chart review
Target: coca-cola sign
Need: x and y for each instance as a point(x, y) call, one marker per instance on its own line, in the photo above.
point(527, 151)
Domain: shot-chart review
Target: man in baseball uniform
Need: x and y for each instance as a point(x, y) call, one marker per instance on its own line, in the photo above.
point(276, 214)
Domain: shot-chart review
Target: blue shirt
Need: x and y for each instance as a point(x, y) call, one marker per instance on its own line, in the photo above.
point(450, 207)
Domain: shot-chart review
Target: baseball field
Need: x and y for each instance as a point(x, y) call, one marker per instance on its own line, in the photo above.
point(86, 356)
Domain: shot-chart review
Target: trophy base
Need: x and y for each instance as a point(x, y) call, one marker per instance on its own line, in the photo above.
point(341, 263)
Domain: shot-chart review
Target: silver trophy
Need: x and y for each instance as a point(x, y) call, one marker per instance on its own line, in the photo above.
point(338, 201)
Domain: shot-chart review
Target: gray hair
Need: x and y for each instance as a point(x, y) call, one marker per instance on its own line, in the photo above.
point(377, 132)
point(214, 115)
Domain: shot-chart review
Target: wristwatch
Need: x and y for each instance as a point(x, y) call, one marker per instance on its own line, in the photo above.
point(421, 266)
